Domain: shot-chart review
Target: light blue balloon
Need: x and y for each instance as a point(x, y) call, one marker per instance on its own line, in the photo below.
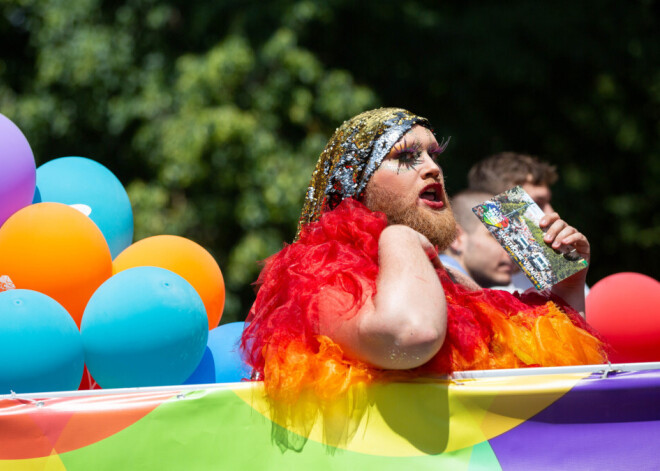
point(145, 326)
point(40, 345)
point(222, 362)
point(94, 190)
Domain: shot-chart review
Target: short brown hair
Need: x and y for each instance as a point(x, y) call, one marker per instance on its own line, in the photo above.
point(502, 171)
point(462, 204)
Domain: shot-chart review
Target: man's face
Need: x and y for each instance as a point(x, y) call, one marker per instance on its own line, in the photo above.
point(540, 194)
point(485, 260)
point(409, 188)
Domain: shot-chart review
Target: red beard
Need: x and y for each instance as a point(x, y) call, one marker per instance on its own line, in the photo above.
point(438, 226)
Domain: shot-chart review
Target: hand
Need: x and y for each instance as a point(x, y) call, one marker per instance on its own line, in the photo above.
point(560, 236)
point(429, 249)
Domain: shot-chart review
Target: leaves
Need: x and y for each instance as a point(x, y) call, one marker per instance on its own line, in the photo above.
point(212, 114)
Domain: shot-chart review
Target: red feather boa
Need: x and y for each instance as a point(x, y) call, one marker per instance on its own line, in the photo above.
point(332, 269)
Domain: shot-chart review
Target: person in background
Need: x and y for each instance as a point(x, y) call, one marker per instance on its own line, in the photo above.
point(475, 251)
point(500, 172)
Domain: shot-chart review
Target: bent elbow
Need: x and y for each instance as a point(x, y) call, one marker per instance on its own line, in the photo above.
point(416, 345)
point(407, 345)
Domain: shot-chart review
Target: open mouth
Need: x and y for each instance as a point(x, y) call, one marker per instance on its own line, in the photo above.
point(431, 195)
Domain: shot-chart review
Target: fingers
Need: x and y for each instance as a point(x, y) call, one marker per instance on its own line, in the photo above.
point(430, 250)
point(556, 230)
point(559, 235)
point(576, 239)
point(564, 233)
point(552, 225)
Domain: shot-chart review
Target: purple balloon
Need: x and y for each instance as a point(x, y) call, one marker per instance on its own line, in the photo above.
point(18, 172)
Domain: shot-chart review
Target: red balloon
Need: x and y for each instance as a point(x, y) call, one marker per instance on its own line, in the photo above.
point(625, 309)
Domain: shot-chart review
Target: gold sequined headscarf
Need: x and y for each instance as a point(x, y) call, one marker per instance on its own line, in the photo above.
point(351, 157)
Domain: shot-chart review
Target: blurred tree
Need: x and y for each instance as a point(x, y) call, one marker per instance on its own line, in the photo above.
point(216, 145)
point(212, 113)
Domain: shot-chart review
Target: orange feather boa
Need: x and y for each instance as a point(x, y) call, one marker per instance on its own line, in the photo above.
point(486, 329)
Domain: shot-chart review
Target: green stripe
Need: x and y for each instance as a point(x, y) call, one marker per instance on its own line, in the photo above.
point(215, 429)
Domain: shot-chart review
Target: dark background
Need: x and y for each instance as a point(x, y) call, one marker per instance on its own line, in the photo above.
point(212, 113)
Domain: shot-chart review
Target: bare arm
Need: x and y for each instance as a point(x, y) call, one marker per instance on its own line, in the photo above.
point(404, 324)
point(558, 235)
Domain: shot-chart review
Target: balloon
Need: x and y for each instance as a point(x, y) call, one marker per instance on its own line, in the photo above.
point(17, 170)
point(184, 257)
point(222, 362)
point(625, 309)
point(56, 250)
point(93, 189)
point(145, 326)
point(40, 345)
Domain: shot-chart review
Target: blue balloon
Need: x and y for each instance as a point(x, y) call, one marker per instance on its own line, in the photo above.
point(145, 326)
point(94, 190)
point(222, 362)
point(40, 345)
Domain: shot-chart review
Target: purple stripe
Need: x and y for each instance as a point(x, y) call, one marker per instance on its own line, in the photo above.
point(611, 423)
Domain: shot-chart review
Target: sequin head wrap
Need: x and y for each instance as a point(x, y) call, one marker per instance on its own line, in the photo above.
point(351, 157)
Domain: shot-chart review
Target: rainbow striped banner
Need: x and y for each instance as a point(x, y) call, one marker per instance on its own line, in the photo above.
point(533, 419)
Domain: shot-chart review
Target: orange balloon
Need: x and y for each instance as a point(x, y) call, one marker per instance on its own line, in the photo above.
point(185, 258)
point(56, 250)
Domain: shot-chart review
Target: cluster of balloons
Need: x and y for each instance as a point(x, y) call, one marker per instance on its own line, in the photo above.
point(135, 314)
point(145, 313)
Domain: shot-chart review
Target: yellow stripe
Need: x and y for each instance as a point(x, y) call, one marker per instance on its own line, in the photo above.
point(47, 463)
point(417, 418)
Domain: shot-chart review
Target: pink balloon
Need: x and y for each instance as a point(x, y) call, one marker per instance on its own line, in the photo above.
point(625, 309)
point(18, 172)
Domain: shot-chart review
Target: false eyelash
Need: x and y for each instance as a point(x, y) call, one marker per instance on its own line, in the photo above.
point(416, 146)
point(443, 144)
point(441, 147)
point(414, 150)
point(436, 151)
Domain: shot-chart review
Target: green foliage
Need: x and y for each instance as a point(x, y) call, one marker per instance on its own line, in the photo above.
point(512, 207)
point(212, 113)
point(217, 145)
point(220, 148)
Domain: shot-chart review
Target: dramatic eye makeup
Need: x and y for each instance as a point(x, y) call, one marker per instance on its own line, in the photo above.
point(435, 152)
point(438, 149)
point(406, 156)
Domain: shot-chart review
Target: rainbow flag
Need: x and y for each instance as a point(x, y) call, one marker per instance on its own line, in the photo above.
point(594, 417)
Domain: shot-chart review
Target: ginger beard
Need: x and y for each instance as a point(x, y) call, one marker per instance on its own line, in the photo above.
point(439, 227)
